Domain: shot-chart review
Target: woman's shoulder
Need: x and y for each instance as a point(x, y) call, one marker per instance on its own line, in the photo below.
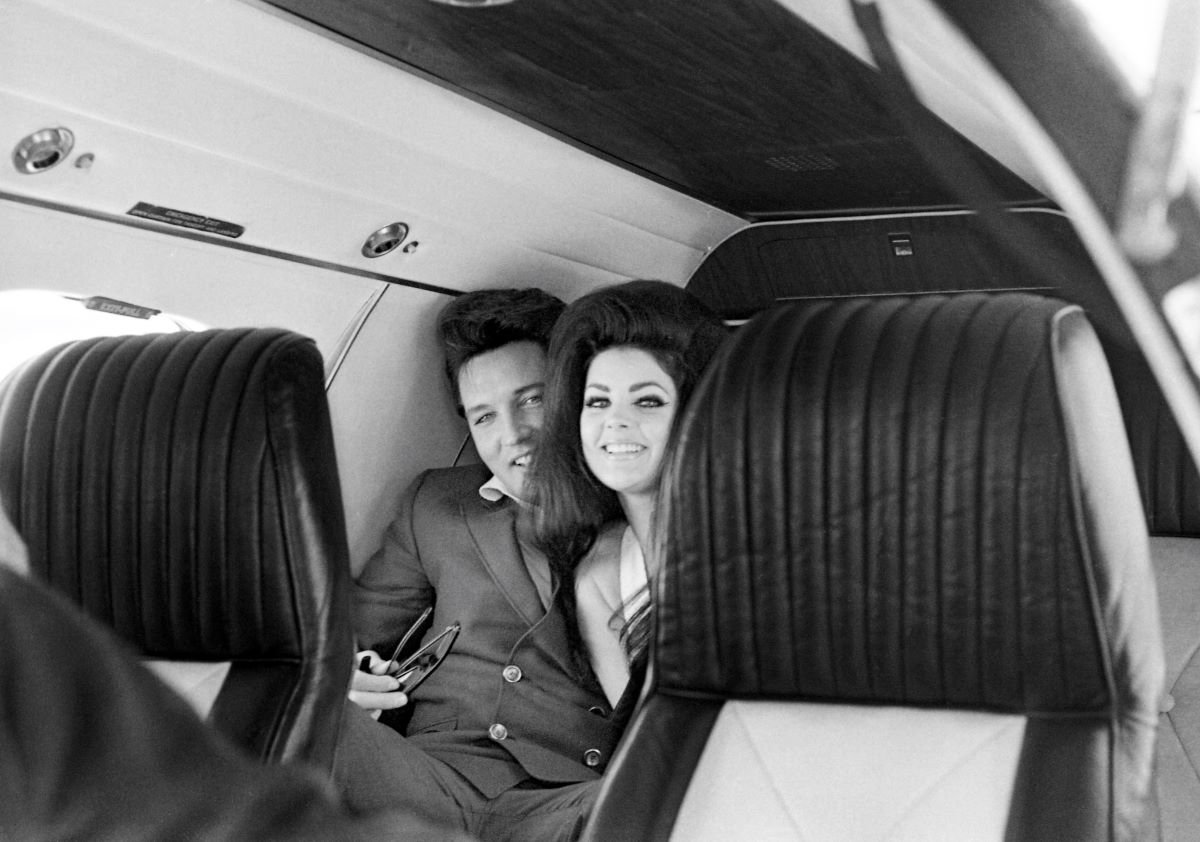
point(606, 549)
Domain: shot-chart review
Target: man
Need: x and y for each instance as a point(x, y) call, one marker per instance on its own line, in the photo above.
point(504, 740)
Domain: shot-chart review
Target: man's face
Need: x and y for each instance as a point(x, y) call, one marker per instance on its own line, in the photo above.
point(501, 393)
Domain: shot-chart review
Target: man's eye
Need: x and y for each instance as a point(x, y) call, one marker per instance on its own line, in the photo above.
point(485, 418)
point(532, 400)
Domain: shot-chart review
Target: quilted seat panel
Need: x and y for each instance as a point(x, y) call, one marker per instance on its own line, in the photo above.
point(923, 504)
point(183, 489)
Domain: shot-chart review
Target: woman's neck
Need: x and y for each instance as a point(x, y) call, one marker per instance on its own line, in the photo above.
point(639, 511)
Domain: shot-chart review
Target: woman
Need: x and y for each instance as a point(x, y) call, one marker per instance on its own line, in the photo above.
point(623, 361)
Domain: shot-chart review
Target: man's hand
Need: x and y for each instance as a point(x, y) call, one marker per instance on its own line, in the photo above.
point(375, 691)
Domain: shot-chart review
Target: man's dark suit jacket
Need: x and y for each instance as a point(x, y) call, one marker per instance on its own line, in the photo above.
point(495, 724)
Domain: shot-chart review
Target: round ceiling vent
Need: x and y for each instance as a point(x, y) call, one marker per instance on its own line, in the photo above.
point(42, 150)
point(385, 240)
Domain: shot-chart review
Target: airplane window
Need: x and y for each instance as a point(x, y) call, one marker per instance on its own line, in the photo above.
point(34, 320)
point(1130, 32)
point(1132, 35)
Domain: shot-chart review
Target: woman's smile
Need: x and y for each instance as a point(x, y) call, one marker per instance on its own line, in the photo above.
point(629, 404)
point(622, 449)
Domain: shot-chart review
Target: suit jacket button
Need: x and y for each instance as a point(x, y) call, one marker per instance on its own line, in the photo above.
point(512, 673)
point(591, 757)
point(498, 732)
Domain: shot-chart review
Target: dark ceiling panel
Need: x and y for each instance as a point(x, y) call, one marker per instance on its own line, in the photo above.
point(735, 102)
point(902, 255)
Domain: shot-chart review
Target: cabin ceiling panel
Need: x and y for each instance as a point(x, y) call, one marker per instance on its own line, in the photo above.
point(229, 111)
point(904, 254)
point(938, 64)
point(739, 103)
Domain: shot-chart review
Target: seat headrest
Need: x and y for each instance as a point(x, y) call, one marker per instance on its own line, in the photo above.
point(918, 501)
point(181, 487)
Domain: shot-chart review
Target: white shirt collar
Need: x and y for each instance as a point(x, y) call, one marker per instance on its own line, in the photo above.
point(494, 491)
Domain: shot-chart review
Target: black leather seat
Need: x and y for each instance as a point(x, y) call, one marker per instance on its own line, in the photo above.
point(96, 748)
point(905, 588)
point(183, 489)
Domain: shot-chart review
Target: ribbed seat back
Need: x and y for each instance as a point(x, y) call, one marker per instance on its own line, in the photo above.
point(905, 587)
point(183, 488)
point(1167, 476)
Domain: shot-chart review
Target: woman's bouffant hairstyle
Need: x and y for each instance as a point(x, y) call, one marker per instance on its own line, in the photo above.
point(670, 324)
point(487, 319)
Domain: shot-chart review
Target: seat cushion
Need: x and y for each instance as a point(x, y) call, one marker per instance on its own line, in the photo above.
point(183, 489)
point(951, 775)
point(1177, 764)
point(198, 682)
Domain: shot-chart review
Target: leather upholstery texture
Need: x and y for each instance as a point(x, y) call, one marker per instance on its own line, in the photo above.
point(96, 748)
point(183, 489)
point(1167, 477)
point(922, 502)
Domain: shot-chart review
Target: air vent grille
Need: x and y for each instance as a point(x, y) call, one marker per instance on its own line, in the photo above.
point(802, 162)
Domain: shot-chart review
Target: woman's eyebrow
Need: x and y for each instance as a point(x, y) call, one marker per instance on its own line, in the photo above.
point(599, 386)
point(647, 383)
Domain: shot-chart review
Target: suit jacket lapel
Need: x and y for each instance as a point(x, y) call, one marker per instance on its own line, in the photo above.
point(491, 528)
point(552, 634)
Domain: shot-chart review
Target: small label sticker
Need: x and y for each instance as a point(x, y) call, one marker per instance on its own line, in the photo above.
point(120, 308)
point(184, 219)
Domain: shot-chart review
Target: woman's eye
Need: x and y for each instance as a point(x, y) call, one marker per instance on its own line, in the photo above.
point(651, 402)
point(595, 403)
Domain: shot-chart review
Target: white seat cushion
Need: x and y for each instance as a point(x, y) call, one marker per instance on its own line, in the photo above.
point(1177, 764)
point(198, 682)
point(828, 773)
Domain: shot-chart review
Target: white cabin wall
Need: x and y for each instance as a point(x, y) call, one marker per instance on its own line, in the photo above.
point(235, 111)
point(392, 412)
point(218, 287)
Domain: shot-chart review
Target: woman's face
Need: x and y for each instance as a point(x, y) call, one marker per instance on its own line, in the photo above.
point(629, 402)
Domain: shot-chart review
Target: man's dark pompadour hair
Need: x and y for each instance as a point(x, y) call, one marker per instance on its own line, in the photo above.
point(481, 321)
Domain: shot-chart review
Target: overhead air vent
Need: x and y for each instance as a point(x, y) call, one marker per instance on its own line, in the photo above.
point(42, 150)
point(385, 240)
point(802, 162)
